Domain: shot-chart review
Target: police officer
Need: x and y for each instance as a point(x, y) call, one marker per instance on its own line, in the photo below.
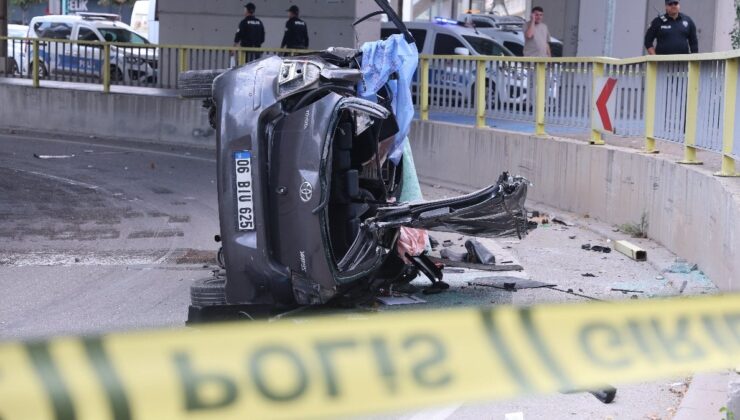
point(675, 32)
point(296, 31)
point(251, 33)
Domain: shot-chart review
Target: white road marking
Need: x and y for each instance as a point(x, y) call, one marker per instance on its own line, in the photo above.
point(433, 414)
point(125, 148)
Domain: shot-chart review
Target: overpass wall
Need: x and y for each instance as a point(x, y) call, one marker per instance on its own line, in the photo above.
point(159, 119)
point(690, 211)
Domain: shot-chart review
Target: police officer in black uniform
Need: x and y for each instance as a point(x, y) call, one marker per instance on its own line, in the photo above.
point(296, 31)
point(251, 32)
point(675, 32)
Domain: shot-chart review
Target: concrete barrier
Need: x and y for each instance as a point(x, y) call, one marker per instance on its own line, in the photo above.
point(147, 118)
point(690, 212)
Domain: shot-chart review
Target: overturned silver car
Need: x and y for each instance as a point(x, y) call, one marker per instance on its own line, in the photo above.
point(309, 191)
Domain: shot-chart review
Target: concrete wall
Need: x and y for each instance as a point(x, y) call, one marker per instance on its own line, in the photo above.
point(691, 212)
point(214, 22)
point(116, 116)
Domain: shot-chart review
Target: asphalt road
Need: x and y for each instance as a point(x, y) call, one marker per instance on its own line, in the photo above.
point(100, 237)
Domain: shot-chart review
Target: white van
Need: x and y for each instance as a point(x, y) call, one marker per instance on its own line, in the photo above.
point(446, 37)
point(144, 20)
point(136, 62)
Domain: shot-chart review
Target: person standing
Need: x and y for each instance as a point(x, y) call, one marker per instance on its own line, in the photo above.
point(675, 32)
point(537, 36)
point(251, 32)
point(296, 31)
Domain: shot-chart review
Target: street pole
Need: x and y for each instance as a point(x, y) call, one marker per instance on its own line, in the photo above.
point(609, 32)
point(4, 63)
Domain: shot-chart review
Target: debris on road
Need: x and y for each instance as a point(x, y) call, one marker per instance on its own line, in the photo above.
point(38, 156)
point(473, 266)
point(604, 249)
point(509, 283)
point(586, 247)
point(588, 275)
point(571, 292)
point(572, 236)
point(631, 250)
point(478, 253)
point(400, 300)
point(625, 291)
point(561, 221)
point(451, 255)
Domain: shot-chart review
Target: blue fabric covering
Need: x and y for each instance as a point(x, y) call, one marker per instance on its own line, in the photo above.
point(380, 59)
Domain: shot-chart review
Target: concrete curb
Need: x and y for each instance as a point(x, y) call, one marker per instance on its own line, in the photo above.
point(705, 396)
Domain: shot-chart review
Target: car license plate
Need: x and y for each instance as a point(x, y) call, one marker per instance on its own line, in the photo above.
point(244, 197)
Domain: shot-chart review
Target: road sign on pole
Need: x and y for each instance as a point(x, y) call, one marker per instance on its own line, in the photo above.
point(604, 105)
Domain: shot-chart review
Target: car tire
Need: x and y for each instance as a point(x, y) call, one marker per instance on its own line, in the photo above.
point(43, 71)
point(208, 291)
point(116, 75)
point(197, 83)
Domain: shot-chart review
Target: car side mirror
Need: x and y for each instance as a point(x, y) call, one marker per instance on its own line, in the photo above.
point(462, 51)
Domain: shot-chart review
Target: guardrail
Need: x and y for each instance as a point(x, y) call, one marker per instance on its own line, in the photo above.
point(689, 100)
point(141, 65)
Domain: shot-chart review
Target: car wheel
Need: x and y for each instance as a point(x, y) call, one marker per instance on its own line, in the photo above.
point(490, 94)
point(197, 83)
point(13, 67)
point(208, 291)
point(116, 75)
point(43, 71)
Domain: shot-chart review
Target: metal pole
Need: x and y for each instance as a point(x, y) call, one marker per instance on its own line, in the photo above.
point(609, 31)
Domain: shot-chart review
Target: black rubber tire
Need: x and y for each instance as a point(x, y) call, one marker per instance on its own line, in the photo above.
point(43, 71)
point(116, 75)
point(208, 291)
point(197, 83)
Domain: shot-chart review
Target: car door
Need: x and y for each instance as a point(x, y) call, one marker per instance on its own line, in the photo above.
point(88, 51)
point(446, 77)
point(55, 54)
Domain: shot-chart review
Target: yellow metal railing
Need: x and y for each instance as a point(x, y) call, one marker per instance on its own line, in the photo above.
point(650, 91)
point(537, 74)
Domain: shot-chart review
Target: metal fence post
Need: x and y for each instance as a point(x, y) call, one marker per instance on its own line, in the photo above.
point(692, 109)
point(541, 90)
point(183, 64)
point(36, 63)
point(728, 131)
point(480, 93)
point(106, 68)
point(242, 58)
point(598, 71)
point(651, 87)
point(424, 89)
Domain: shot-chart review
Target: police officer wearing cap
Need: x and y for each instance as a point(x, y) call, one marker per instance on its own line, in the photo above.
point(296, 31)
point(675, 32)
point(251, 32)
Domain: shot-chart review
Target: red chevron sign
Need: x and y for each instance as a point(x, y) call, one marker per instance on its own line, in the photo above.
point(604, 104)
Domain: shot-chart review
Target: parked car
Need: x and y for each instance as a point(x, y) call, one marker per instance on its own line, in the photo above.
point(508, 30)
point(132, 58)
point(17, 49)
point(308, 202)
point(507, 84)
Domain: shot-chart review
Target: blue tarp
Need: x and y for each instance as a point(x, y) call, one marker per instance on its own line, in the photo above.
point(380, 59)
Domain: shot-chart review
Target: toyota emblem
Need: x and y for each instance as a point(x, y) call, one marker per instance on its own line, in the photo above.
point(306, 192)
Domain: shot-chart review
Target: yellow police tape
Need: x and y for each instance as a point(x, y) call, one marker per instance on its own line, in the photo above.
point(332, 366)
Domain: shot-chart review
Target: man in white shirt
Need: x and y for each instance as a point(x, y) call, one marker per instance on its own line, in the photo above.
point(537, 36)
